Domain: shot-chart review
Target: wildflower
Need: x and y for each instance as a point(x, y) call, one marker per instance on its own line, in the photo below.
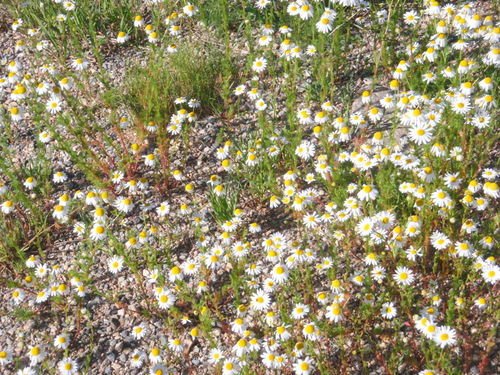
point(79, 64)
point(44, 137)
point(365, 227)
point(16, 113)
point(163, 209)
point(461, 106)
point(388, 310)
point(66, 83)
point(155, 355)
point(259, 65)
point(428, 372)
point(279, 273)
point(305, 12)
point(215, 355)
point(375, 114)
point(68, 5)
point(5, 356)
point(42, 270)
point(43, 296)
point(444, 336)
point(404, 276)
point(334, 313)
point(486, 84)
point(7, 207)
point(231, 366)
point(368, 192)
point(265, 40)
point(430, 54)
point(481, 303)
point(174, 30)
point(124, 204)
point(60, 213)
point(36, 354)
point(324, 25)
point(60, 177)
point(260, 105)
point(429, 77)
point(98, 232)
point(67, 366)
point(122, 37)
point(115, 264)
point(62, 341)
point(311, 331)
point(153, 37)
point(491, 189)
point(190, 10)
point(260, 300)
point(166, 300)
point(311, 220)
point(305, 150)
point(411, 18)
point(303, 366)
point(175, 345)
point(239, 90)
point(440, 198)
point(412, 253)
point(137, 358)
point(18, 295)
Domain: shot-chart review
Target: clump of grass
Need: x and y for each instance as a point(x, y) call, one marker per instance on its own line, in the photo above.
point(194, 71)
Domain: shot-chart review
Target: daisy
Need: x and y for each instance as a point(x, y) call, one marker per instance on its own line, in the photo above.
point(36, 354)
point(259, 65)
point(68, 5)
point(62, 341)
point(166, 300)
point(388, 310)
point(137, 359)
point(305, 12)
point(67, 366)
point(334, 313)
point(403, 276)
point(311, 220)
point(163, 209)
point(367, 193)
point(365, 227)
point(411, 18)
point(230, 365)
point(155, 355)
point(79, 64)
point(18, 295)
point(303, 366)
point(115, 264)
point(280, 273)
point(59, 177)
point(16, 113)
point(461, 105)
point(444, 336)
point(5, 356)
point(175, 345)
point(7, 207)
point(440, 198)
point(300, 311)
point(153, 37)
point(375, 114)
point(430, 54)
point(260, 105)
point(190, 9)
point(305, 117)
point(324, 25)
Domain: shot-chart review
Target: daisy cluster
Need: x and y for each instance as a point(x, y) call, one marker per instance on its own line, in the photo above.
point(318, 236)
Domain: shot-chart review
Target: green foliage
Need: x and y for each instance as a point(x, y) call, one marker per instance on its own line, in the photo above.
point(195, 71)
